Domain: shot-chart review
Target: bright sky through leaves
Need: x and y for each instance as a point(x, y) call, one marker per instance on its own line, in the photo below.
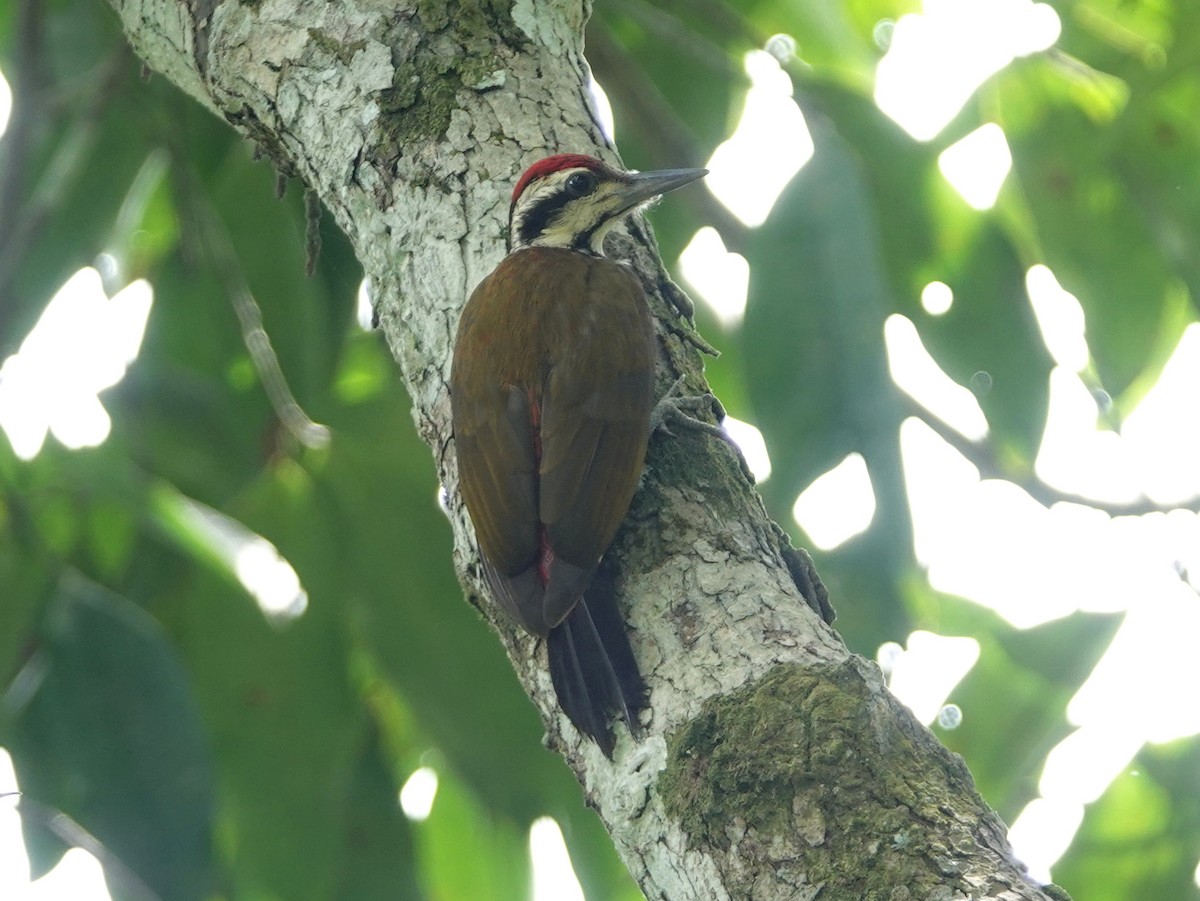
point(77, 877)
point(939, 57)
point(720, 278)
point(918, 374)
point(837, 505)
point(553, 876)
point(937, 298)
point(768, 147)
point(418, 794)
point(925, 672)
point(82, 344)
point(750, 440)
point(977, 165)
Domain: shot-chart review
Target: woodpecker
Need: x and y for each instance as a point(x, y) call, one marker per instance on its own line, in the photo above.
point(551, 390)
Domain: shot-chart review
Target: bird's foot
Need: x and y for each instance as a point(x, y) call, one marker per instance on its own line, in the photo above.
point(675, 410)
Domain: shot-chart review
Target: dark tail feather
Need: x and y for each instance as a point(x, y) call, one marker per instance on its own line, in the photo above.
point(592, 665)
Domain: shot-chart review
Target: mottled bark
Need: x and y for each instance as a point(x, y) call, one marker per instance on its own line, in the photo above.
point(775, 764)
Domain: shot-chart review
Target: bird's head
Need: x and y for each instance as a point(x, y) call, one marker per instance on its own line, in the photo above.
point(571, 200)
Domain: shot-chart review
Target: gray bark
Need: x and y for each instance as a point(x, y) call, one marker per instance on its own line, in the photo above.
point(774, 764)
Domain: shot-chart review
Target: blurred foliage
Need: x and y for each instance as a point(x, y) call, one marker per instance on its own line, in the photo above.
point(213, 752)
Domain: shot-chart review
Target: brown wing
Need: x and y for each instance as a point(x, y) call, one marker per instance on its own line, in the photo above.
point(496, 462)
point(562, 345)
point(596, 406)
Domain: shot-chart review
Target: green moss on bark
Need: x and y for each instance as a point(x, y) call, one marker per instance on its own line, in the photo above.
point(462, 46)
point(343, 51)
point(740, 758)
point(803, 758)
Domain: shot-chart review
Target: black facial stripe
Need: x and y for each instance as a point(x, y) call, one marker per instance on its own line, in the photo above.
point(583, 240)
point(539, 217)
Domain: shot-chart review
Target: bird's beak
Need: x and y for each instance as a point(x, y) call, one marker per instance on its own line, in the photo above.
point(643, 186)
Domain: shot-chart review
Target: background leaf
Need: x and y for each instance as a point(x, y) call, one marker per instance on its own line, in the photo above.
point(109, 735)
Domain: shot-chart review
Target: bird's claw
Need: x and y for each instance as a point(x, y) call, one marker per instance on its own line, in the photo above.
point(672, 409)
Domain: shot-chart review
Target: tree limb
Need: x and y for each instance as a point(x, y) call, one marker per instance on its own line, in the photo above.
point(775, 764)
point(982, 455)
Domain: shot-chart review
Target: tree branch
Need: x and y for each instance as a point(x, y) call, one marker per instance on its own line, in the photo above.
point(775, 764)
point(983, 457)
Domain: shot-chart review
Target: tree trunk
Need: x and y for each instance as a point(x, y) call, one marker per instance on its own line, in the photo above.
point(775, 764)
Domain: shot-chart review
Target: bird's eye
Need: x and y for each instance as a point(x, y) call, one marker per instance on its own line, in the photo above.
point(581, 184)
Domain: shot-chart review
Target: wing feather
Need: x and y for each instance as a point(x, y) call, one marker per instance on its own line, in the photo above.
point(596, 415)
point(557, 345)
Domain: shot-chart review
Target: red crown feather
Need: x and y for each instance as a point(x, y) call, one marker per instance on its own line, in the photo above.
point(555, 164)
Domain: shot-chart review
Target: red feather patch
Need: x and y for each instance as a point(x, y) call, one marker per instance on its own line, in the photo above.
point(555, 164)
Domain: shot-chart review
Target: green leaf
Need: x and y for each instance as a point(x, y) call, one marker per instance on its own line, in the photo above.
point(27, 569)
point(816, 370)
point(1138, 840)
point(814, 321)
point(991, 329)
point(105, 730)
point(927, 233)
point(835, 39)
point(1088, 635)
point(286, 731)
point(146, 226)
point(1098, 204)
point(465, 853)
point(1030, 671)
point(377, 843)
